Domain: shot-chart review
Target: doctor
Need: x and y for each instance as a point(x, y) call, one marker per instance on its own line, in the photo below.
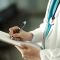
point(48, 33)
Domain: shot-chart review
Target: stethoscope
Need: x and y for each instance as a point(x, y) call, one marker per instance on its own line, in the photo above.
point(51, 18)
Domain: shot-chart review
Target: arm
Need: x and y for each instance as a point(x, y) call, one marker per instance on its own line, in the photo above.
point(33, 53)
point(35, 35)
point(29, 52)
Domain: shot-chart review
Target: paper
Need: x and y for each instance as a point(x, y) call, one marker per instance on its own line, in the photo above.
point(6, 38)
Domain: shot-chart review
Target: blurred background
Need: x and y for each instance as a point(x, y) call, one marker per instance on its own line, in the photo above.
point(15, 12)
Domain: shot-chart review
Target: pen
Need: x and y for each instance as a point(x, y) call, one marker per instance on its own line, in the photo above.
point(18, 30)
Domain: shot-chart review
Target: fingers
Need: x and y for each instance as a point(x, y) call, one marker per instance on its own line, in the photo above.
point(29, 52)
point(24, 47)
point(14, 29)
point(16, 35)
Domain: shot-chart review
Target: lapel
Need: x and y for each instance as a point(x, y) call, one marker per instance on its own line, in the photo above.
point(51, 13)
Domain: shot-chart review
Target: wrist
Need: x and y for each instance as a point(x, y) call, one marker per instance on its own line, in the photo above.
point(30, 36)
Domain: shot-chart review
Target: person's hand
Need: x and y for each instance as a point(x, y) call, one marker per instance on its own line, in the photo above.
point(19, 34)
point(29, 52)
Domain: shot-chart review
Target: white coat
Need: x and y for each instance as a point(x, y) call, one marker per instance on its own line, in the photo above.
point(52, 41)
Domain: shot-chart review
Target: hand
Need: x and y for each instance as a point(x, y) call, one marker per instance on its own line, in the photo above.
point(29, 52)
point(21, 35)
point(13, 31)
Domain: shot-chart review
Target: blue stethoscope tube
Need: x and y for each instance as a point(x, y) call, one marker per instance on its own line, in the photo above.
point(51, 14)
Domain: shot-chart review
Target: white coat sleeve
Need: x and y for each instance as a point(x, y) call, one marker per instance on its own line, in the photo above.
point(50, 54)
point(38, 33)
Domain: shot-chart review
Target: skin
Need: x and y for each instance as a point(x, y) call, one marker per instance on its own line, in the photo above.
point(28, 52)
point(22, 35)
